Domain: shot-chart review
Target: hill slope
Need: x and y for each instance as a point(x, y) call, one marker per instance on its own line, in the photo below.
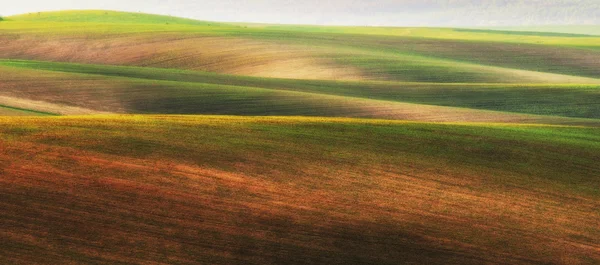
point(394, 73)
point(222, 190)
point(151, 90)
point(334, 53)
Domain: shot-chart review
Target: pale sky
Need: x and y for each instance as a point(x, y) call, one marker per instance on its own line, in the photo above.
point(343, 12)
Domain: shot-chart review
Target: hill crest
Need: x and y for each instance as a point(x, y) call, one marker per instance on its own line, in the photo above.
point(105, 16)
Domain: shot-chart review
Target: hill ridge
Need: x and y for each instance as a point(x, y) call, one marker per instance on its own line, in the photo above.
point(107, 16)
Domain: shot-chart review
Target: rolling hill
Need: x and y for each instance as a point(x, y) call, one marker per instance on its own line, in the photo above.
point(129, 138)
point(342, 53)
point(222, 190)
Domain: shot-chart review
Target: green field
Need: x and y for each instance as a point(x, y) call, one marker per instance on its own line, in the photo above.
point(556, 29)
point(190, 92)
point(159, 140)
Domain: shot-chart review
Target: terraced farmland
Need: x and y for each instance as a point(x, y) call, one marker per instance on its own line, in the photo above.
point(158, 140)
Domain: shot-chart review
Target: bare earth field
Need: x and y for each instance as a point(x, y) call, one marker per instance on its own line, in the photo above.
point(227, 190)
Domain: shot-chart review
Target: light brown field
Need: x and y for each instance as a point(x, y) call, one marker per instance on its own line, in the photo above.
point(44, 106)
point(244, 56)
point(216, 54)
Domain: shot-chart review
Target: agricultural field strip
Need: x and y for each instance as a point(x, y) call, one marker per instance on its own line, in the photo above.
point(365, 45)
point(485, 137)
point(585, 30)
point(254, 101)
point(182, 75)
point(424, 197)
point(232, 28)
point(481, 53)
point(416, 93)
point(445, 34)
point(403, 55)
